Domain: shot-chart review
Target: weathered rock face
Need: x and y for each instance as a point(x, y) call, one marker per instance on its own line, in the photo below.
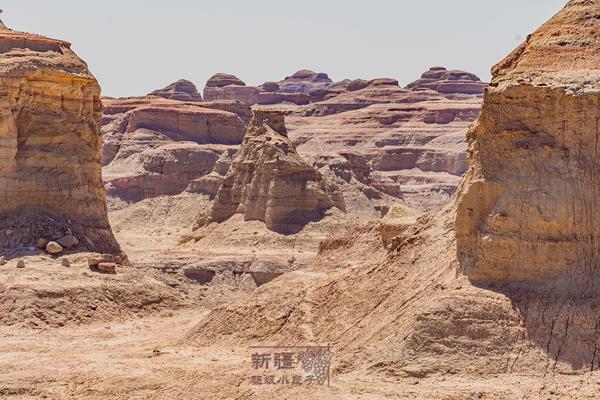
point(50, 179)
point(181, 90)
point(270, 182)
point(529, 206)
point(157, 147)
point(228, 87)
point(380, 140)
point(448, 82)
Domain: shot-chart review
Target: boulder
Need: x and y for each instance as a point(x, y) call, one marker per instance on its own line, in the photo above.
point(96, 259)
point(21, 264)
point(41, 243)
point(68, 241)
point(54, 248)
point(2, 261)
point(107, 267)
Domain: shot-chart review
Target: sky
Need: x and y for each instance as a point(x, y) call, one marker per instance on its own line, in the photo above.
point(136, 46)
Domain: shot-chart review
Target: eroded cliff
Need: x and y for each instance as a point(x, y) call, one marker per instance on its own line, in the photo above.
point(50, 176)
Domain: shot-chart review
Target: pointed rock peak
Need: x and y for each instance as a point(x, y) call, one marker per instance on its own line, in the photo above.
point(263, 118)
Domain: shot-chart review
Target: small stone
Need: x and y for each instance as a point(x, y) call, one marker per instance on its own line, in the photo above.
point(65, 262)
point(94, 260)
point(2, 261)
point(20, 264)
point(68, 241)
point(107, 267)
point(54, 248)
point(41, 243)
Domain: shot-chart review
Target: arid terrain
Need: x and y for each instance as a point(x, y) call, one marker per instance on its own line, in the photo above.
point(438, 240)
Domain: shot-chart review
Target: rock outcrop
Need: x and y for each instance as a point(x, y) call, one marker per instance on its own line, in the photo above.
point(317, 86)
point(529, 212)
point(268, 181)
point(448, 82)
point(221, 80)
point(50, 177)
point(182, 90)
point(156, 147)
point(228, 87)
point(382, 140)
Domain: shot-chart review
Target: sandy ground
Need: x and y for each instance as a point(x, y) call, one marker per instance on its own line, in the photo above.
point(144, 359)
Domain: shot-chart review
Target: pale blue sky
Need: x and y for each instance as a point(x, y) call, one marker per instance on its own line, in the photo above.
point(135, 46)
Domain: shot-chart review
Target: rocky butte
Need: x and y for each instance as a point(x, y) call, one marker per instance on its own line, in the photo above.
point(50, 177)
point(268, 181)
point(529, 210)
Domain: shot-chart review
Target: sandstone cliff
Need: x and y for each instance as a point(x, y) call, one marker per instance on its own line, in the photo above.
point(528, 208)
point(270, 182)
point(50, 178)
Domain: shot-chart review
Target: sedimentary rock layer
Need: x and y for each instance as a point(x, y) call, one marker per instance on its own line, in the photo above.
point(529, 211)
point(49, 144)
point(157, 147)
point(268, 181)
point(181, 90)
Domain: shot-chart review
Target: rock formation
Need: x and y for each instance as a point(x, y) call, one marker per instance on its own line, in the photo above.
point(382, 140)
point(524, 221)
point(529, 209)
point(157, 147)
point(50, 178)
point(448, 82)
point(228, 87)
point(270, 182)
point(181, 90)
point(310, 85)
point(221, 80)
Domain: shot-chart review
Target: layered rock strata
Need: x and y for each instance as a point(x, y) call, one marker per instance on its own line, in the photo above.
point(268, 181)
point(228, 87)
point(448, 82)
point(157, 147)
point(529, 212)
point(182, 90)
point(50, 177)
